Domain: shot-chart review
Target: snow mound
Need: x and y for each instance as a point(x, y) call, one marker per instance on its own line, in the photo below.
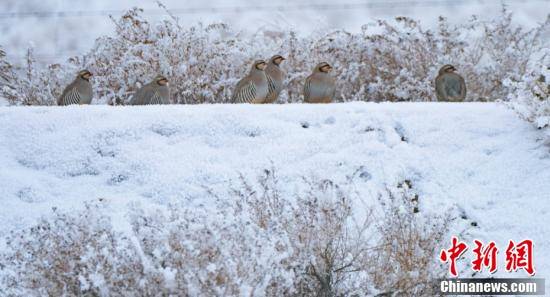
point(477, 158)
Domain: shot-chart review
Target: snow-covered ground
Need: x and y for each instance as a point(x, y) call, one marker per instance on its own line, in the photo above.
point(475, 158)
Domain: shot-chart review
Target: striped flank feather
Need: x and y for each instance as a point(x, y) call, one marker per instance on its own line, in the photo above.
point(155, 99)
point(72, 97)
point(271, 87)
point(246, 94)
point(307, 87)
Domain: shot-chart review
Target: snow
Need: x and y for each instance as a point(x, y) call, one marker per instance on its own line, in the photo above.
point(59, 38)
point(477, 159)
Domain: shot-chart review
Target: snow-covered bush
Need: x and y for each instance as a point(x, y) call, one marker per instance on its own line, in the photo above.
point(71, 255)
point(403, 263)
point(251, 241)
point(33, 85)
point(6, 70)
point(328, 245)
point(179, 250)
point(530, 96)
point(203, 62)
point(7, 75)
point(387, 61)
point(221, 252)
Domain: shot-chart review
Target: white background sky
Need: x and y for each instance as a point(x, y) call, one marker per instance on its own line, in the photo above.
point(58, 37)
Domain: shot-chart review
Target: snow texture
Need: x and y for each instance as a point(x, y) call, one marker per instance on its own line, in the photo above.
point(478, 159)
point(73, 34)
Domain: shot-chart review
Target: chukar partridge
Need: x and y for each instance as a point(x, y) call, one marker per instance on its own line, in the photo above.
point(253, 87)
point(155, 92)
point(275, 77)
point(449, 85)
point(320, 87)
point(79, 91)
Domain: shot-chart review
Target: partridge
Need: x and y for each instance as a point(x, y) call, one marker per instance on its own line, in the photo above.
point(320, 87)
point(254, 87)
point(449, 85)
point(275, 77)
point(79, 91)
point(155, 92)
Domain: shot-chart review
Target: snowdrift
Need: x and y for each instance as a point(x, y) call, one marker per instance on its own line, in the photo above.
point(478, 160)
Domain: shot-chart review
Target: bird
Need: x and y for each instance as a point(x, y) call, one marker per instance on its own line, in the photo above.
point(79, 91)
point(253, 88)
point(449, 85)
point(320, 87)
point(155, 92)
point(275, 77)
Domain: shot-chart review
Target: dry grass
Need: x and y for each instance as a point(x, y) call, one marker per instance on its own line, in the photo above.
point(404, 264)
point(253, 241)
point(204, 62)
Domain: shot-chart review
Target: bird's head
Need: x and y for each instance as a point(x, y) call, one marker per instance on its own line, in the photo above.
point(323, 67)
point(277, 59)
point(447, 69)
point(85, 74)
point(259, 65)
point(161, 80)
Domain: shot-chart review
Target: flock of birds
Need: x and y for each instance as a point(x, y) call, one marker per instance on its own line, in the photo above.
point(263, 84)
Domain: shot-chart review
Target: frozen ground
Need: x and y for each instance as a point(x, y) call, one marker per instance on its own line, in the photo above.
point(479, 159)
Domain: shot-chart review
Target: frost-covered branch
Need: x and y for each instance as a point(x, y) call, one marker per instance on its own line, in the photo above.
point(388, 61)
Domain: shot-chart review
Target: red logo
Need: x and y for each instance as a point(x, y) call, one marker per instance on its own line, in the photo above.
point(452, 254)
point(518, 256)
point(485, 256)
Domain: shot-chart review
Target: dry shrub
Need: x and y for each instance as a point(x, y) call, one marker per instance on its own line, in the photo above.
point(70, 254)
point(405, 264)
point(193, 252)
point(253, 241)
point(399, 62)
point(201, 61)
point(328, 246)
point(31, 85)
point(180, 251)
point(6, 71)
point(530, 97)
